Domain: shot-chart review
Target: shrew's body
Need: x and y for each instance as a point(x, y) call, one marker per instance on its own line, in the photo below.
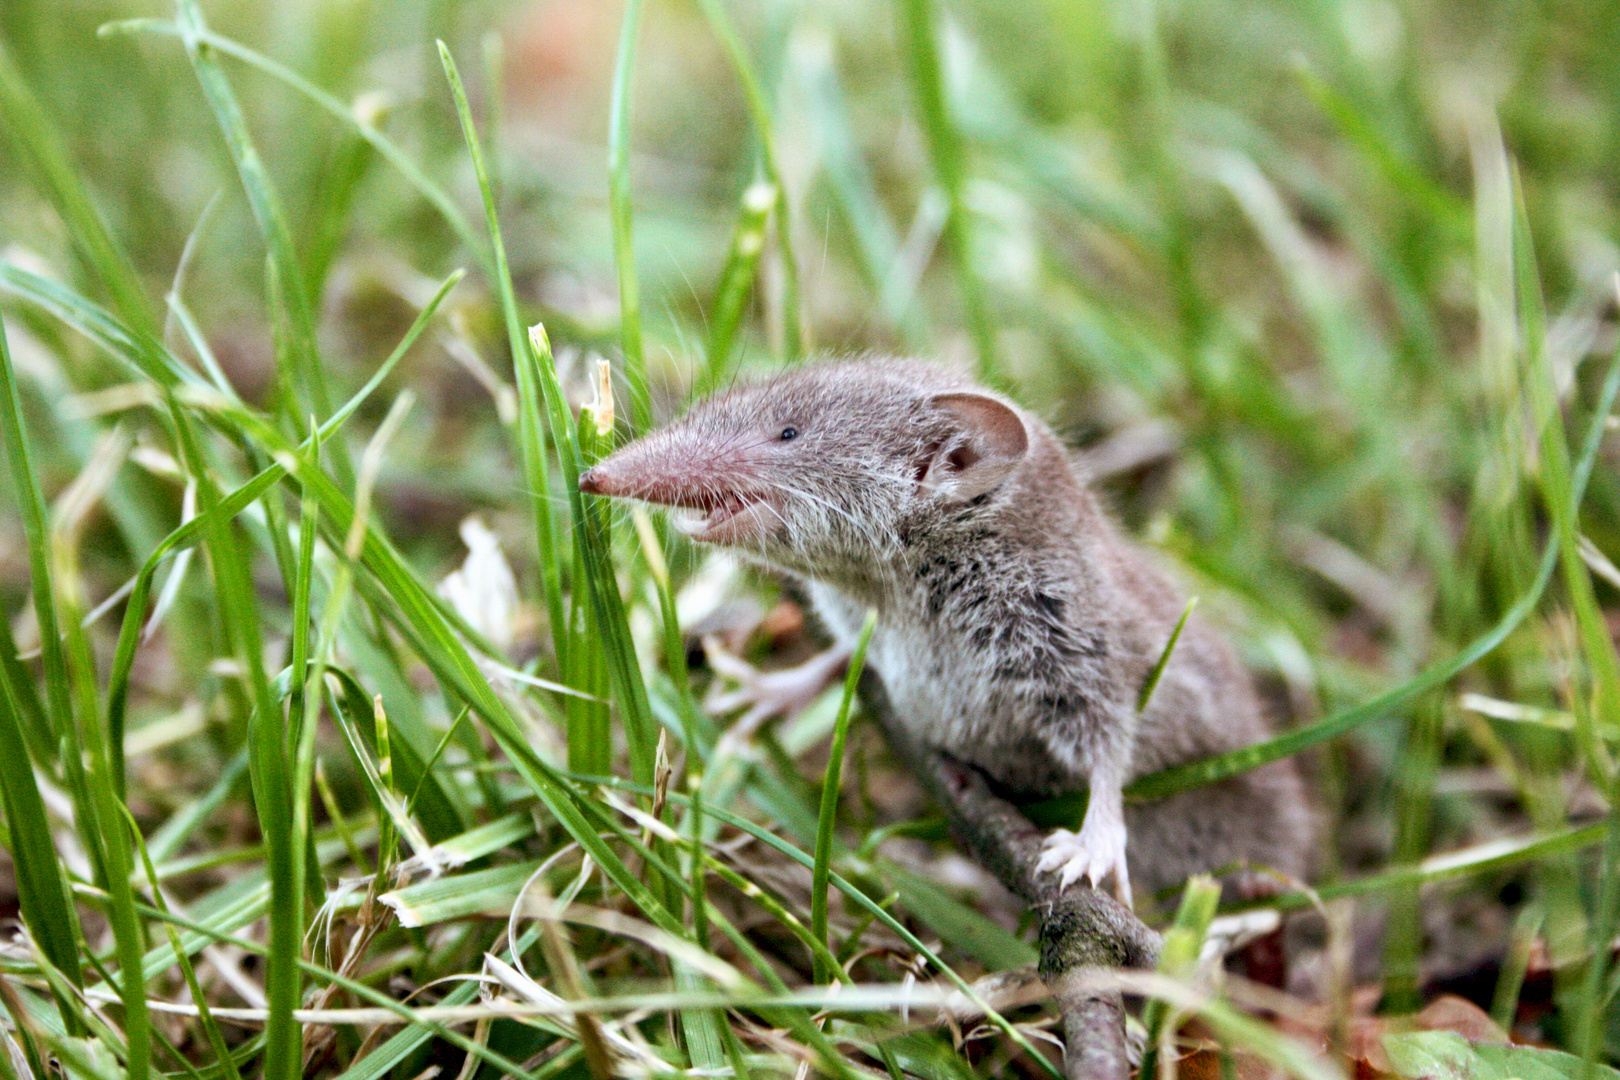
point(1016, 626)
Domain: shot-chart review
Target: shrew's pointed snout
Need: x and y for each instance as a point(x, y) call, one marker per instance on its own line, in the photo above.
point(623, 474)
point(640, 470)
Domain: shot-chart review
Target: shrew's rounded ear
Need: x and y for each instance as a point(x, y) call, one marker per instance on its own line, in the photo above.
point(989, 442)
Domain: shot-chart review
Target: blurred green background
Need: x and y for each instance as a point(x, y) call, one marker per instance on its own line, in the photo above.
point(1252, 222)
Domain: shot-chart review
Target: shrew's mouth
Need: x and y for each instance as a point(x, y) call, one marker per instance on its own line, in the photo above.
point(729, 518)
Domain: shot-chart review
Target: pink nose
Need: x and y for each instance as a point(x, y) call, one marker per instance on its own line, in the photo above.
point(590, 482)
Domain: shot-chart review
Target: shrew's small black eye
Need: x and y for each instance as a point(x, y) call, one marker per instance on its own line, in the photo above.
point(789, 433)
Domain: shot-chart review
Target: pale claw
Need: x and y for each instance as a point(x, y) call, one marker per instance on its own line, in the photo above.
point(1093, 853)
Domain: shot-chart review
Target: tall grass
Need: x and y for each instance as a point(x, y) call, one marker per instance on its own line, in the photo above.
point(1337, 292)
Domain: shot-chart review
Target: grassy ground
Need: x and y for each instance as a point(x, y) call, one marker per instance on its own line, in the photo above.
point(1327, 292)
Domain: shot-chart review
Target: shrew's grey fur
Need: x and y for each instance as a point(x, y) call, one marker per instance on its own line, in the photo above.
point(1016, 625)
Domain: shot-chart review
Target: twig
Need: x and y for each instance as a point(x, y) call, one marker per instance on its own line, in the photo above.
point(1081, 928)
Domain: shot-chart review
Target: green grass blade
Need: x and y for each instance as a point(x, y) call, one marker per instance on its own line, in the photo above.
point(269, 765)
point(396, 1048)
point(624, 668)
point(363, 125)
point(30, 500)
point(1152, 681)
point(233, 504)
point(303, 704)
point(98, 325)
point(1440, 209)
point(736, 282)
point(1597, 704)
point(792, 320)
point(36, 726)
point(1178, 958)
point(877, 909)
point(334, 200)
point(624, 241)
point(307, 369)
point(590, 723)
point(277, 528)
point(162, 844)
point(48, 912)
point(1595, 1003)
point(954, 921)
point(42, 895)
point(23, 1028)
point(1481, 859)
point(458, 896)
point(420, 619)
point(531, 441)
point(28, 122)
point(697, 730)
point(1417, 766)
point(268, 756)
point(1515, 964)
point(99, 801)
point(216, 1038)
point(830, 785)
point(796, 1019)
point(1216, 768)
point(239, 903)
point(358, 989)
point(947, 155)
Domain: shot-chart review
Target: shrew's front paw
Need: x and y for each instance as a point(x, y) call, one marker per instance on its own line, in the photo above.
point(768, 694)
point(1093, 853)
